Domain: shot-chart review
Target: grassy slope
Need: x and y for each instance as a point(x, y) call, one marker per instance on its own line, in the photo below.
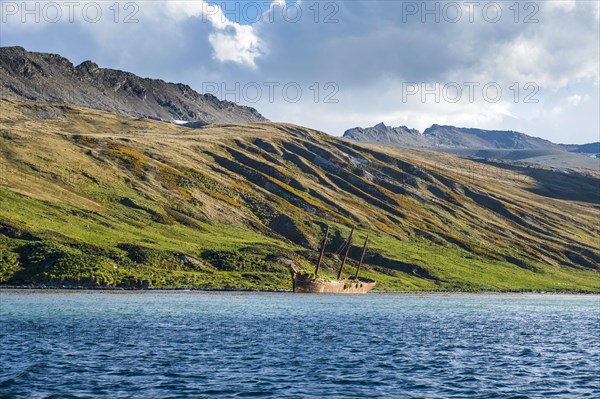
point(98, 199)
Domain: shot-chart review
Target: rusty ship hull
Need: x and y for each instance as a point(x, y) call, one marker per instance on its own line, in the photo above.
point(304, 284)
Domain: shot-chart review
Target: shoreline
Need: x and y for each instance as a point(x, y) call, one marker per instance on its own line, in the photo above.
point(242, 291)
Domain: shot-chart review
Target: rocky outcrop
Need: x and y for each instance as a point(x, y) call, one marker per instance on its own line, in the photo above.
point(381, 133)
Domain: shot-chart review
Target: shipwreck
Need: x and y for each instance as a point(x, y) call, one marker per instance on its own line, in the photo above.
point(304, 282)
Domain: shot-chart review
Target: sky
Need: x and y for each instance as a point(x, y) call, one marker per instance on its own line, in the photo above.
point(333, 65)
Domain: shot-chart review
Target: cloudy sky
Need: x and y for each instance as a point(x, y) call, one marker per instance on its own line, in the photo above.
point(332, 65)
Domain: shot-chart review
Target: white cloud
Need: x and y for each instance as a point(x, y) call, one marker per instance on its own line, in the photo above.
point(574, 100)
point(277, 3)
point(232, 42)
point(185, 9)
point(537, 60)
point(560, 5)
point(236, 43)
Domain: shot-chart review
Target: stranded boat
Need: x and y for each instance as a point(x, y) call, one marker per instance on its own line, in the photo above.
point(307, 283)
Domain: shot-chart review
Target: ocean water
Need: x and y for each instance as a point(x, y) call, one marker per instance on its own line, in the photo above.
point(212, 345)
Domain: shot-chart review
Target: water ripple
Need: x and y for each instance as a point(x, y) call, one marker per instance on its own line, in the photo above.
point(195, 345)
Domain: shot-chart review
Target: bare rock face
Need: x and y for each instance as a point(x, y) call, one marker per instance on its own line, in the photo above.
point(381, 133)
point(49, 77)
point(503, 145)
point(460, 137)
point(438, 136)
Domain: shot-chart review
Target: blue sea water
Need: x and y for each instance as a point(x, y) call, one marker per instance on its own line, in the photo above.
point(238, 345)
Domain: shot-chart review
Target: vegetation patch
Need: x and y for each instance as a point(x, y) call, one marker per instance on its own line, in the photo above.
point(241, 261)
point(129, 158)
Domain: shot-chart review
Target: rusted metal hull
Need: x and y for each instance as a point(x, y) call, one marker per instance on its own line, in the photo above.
point(309, 285)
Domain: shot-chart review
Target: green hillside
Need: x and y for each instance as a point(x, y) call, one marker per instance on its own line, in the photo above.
point(98, 200)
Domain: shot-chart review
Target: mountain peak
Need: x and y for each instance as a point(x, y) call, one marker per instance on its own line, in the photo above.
point(18, 49)
point(88, 66)
point(381, 133)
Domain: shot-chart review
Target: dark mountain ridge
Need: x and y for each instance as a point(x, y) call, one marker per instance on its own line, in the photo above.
point(45, 77)
point(481, 143)
point(590, 148)
point(452, 137)
point(460, 137)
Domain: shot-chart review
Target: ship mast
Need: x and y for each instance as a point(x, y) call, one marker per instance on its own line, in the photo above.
point(339, 276)
point(362, 257)
point(322, 251)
